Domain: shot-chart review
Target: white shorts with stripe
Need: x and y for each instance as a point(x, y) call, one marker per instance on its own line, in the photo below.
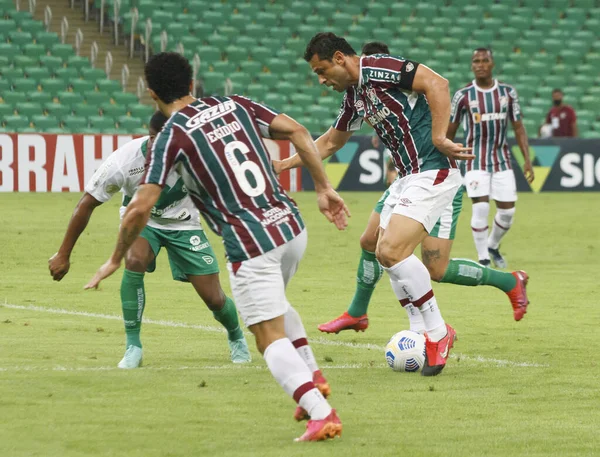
point(500, 186)
point(422, 196)
point(258, 284)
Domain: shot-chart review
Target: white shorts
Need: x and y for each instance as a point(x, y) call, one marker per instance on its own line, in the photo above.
point(500, 186)
point(259, 283)
point(422, 196)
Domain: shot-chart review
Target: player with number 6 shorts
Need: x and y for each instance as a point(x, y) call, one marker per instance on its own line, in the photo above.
point(216, 145)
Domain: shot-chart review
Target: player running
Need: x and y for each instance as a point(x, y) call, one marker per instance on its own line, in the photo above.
point(435, 254)
point(487, 105)
point(389, 93)
point(174, 224)
point(216, 145)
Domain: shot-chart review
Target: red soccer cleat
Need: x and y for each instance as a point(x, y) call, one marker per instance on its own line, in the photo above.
point(319, 430)
point(518, 295)
point(320, 383)
point(437, 353)
point(345, 322)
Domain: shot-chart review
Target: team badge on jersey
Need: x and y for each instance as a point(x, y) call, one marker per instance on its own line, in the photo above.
point(503, 101)
point(372, 95)
point(409, 67)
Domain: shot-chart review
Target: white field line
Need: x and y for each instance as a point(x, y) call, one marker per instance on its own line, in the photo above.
point(318, 340)
point(230, 367)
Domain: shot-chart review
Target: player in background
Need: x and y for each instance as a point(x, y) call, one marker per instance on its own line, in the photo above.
point(174, 225)
point(487, 105)
point(216, 144)
point(389, 93)
point(435, 254)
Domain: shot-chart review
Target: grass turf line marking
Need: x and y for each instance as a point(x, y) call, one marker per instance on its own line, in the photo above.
point(208, 328)
point(231, 367)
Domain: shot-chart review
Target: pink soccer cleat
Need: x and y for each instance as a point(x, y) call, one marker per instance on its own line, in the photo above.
point(345, 322)
point(518, 295)
point(437, 353)
point(319, 430)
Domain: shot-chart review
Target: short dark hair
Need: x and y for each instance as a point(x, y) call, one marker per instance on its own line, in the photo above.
point(169, 75)
point(488, 50)
point(325, 45)
point(157, 121)
point(554, 91)
point(375, 47)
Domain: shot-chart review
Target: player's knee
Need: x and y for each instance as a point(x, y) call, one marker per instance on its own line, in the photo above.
point(135, 263)
point(215, 300)
point(436, 270)
point(368, 242)
point(389, 255)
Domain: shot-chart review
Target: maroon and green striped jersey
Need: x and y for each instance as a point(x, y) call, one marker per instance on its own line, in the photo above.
point(486, 113)
point(401, 117)
point(216, 145)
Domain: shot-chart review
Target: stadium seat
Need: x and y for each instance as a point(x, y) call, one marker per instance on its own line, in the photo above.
point(70, 98)
point(78, 62)
point(57, 110)
point(111, 110)
point(140, 111)
point(129, 123)
point(85, 110)
point(44, 123)
point(74, 124)
point(6, 110)
point(102, 124)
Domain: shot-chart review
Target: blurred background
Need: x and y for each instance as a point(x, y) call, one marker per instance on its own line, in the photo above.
point(71, 66)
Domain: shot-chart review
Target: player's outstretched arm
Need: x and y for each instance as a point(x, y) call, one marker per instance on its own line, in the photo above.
point(523, 142)
point(135, 219)
point(59, 263)
point(327, 145)
point(436, 89)
point(330, 203)
point(452, 129)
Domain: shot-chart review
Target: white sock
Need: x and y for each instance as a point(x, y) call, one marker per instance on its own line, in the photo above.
point(295, 331)
point(410, 279)
point(417, 324)
point(479, 227)
point(415, 319)
point(290, 371)
point(502, 222)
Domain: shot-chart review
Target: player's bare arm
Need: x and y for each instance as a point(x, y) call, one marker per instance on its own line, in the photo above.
point(523, 142)
point(330, 203)
point(327, 145)
point(452, 129)
point(135, 219)
point(59, 263)
point(436, 89)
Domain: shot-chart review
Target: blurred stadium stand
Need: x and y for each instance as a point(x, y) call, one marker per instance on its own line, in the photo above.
point(255, 48)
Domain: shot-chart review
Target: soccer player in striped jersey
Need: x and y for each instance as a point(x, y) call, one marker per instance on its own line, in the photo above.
point(389, 93)
point(435, 253)
point(486, 105)
point(174, 225)
point(216, 145)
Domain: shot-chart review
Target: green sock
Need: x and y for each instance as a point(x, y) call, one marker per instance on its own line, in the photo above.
point(228, 317)
point(368, 275)
point(466, 272)
point(133, 300)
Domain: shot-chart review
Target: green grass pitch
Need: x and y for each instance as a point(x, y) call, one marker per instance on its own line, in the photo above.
point(510, 389)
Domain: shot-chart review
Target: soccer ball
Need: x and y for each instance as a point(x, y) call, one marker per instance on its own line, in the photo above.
point(406, 351)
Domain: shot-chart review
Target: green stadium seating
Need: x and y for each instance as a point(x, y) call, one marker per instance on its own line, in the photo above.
point(57, 110)
point(44, 123)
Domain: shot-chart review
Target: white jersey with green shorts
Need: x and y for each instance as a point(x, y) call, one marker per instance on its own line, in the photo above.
point(174, 221)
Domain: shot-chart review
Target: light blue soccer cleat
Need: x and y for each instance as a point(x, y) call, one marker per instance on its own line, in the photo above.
point(239, 351)
point(132, 358)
